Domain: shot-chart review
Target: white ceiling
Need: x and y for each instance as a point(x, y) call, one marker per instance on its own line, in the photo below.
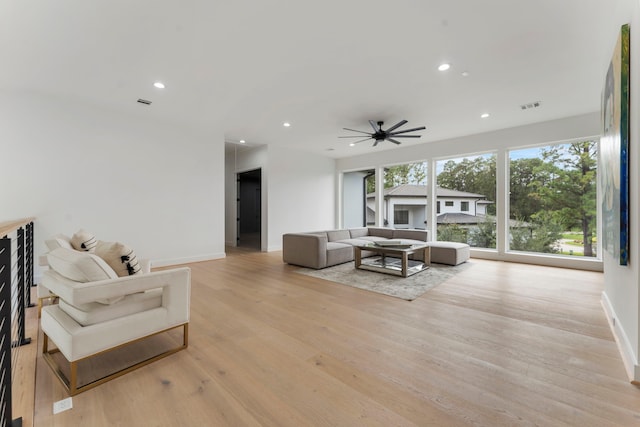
point(248, 66)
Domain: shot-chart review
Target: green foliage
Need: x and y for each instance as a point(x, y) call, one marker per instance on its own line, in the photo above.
point(452, 233)
point(408, 173)
point(542, 235)
point(562, 184)
point(484, 234)
point(524, 172)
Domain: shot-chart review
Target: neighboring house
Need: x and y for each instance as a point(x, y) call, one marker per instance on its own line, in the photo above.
point(405, 206)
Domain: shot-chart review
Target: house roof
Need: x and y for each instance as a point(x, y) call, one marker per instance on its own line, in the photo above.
point(238, 70)
point(413, 190)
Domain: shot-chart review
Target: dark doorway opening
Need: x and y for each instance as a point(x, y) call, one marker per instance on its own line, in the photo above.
point(249, 227)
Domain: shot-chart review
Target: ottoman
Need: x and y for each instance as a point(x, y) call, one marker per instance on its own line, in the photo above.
point(451, 253)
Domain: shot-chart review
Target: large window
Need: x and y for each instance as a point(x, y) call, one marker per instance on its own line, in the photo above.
point(552, 199)
point(405, 196)
point(469, 186)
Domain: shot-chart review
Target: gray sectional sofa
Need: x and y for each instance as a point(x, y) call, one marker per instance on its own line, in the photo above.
point(320, 249)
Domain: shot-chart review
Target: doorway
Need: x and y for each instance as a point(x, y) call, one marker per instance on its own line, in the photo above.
point(249, 226)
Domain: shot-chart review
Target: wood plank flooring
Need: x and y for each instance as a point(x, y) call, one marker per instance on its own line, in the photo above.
point(499, 344)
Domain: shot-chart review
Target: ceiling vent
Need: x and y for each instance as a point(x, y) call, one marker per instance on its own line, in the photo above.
point(144, 101)
point(530, 105)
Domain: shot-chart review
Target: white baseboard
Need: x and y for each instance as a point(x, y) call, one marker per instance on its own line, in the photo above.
point(186, 260)
point(629, 357)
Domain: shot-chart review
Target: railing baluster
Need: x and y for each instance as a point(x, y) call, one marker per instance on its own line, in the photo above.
point(5, 331)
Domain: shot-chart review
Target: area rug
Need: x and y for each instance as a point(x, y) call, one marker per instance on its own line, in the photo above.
point(408, 288)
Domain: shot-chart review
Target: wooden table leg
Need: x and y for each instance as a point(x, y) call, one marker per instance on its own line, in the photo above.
point(357, 256)
point(405, 263)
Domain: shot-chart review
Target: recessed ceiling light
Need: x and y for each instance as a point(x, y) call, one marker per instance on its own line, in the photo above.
point(484, 115)
point(242, 141)
point(444, 67)
point(286, 124)
point(352, 145)
point(159, 85)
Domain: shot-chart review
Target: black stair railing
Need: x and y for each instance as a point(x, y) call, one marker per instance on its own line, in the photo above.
point(16, 280)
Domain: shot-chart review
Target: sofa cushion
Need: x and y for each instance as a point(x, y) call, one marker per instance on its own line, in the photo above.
point(120, 257)
point(419, 235)
point(354, 242)
point(335, 235)
point(82, 240)
point(387, 233)
point(91, 313)
point(338, 253)
point(452, 253)
point(359, 232)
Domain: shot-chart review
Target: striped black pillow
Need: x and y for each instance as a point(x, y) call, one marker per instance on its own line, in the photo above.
point(84, 241)
point(121, 258)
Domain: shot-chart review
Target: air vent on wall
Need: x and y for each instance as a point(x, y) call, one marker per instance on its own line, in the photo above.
point(144, 101)
point(530, 105)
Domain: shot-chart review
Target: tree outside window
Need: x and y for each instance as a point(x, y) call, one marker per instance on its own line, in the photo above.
point(553, 199)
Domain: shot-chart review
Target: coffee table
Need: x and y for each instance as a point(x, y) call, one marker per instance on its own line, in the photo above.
point(393, 259)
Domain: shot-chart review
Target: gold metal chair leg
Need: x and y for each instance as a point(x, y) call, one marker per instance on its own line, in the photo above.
point(71, 383)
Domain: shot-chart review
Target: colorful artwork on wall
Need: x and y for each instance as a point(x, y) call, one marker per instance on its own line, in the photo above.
point(614, 152)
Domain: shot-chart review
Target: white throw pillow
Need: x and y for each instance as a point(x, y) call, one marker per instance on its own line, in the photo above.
point(83, 241)
point(58, 241)
point(82, 267)
point(79, 266)
point(120, 257)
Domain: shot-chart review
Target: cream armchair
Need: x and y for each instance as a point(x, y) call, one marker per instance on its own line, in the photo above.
point(99, 311)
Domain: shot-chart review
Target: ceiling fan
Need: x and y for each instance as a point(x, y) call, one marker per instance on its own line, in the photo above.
point(380, 135)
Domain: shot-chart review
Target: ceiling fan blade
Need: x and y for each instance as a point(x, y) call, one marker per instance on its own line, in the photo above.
point(373, 125)
point(352, 136)
point(404, 136)
point(353, 130)
point(376, 143)
point(410, 130)
point(394, 141)
point(362, 140)
point(397, 125)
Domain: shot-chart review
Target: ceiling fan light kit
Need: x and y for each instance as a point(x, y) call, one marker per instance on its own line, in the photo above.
point(379, 135)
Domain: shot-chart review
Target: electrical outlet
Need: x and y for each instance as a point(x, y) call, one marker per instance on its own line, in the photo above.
point(62, 405)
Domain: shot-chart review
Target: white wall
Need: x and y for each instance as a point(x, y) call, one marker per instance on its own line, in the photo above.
point(621, 297)
point(301, 189)
point(298, 191)
point(151, 185)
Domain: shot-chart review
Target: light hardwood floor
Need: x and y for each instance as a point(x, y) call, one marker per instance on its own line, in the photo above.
point(499, 344)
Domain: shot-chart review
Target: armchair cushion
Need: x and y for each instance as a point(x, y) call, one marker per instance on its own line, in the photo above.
point(120, 258)
point(91, 313)
point(82, 240)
